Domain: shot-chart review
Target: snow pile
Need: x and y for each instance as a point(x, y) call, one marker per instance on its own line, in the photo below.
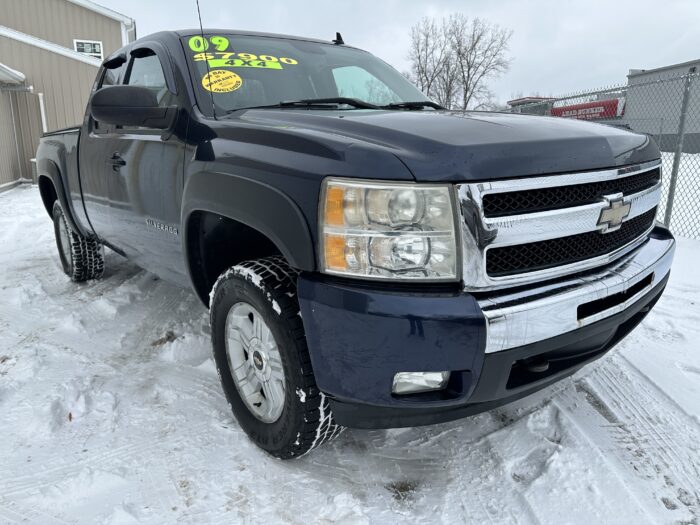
point(111, 413)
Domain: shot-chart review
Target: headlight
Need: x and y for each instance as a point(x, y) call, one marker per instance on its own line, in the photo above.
point(388, 230)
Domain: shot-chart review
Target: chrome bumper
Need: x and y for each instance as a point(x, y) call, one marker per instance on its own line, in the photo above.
point(519, 318)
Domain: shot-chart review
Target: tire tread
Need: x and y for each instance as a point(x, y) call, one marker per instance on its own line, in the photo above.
point(87, 254)
point(276, 279)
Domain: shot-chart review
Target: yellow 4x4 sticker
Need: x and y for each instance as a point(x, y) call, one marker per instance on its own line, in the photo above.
point(221, 81)
point(239, 62)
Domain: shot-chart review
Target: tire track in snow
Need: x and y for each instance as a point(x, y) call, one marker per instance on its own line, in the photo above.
point(660, 393)
point(603, 444)
point(658, 458)
point(480, 491)
point(31, 483)
point(15, 512)
point(518, 510)
point(658, 426)
point(152, 487)
point(542, 462)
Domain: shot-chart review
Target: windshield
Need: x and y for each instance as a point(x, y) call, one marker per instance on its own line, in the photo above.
point(251, 71)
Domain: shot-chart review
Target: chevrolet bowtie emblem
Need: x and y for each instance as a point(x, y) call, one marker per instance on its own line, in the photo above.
point(612, 217)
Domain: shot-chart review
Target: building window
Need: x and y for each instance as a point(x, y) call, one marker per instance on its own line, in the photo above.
point(89, 47)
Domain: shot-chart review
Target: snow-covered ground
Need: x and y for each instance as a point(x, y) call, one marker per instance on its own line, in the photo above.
point(111, 412)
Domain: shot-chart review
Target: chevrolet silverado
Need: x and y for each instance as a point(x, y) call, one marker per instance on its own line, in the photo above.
point(369, 259)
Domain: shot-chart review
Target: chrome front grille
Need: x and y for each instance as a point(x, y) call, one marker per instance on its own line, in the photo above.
point(527, 230)
point(543, 199)
point(539, 255)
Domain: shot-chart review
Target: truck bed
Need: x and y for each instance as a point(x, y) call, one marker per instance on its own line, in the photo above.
point(62, 131)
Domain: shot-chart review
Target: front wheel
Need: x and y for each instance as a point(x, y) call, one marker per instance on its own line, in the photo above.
point(263, 361)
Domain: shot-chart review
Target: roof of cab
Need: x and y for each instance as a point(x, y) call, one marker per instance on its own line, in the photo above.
point(238, 32)
point(165, 35)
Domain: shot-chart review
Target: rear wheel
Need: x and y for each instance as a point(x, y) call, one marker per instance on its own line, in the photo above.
point(82, 258)
point(263, 361)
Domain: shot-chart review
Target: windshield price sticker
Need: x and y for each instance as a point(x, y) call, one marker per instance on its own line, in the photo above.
point(221, 81)
point(204, 50)
point(243, 60)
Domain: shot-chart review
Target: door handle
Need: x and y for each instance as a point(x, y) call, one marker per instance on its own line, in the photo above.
point(117, 161)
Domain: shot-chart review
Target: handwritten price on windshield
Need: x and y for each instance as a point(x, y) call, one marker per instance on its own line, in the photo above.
point(244, 56)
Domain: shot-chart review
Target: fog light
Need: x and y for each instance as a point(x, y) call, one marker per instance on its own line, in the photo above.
point(414, 382)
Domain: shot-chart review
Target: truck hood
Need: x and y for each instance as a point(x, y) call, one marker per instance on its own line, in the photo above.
point(458, 146)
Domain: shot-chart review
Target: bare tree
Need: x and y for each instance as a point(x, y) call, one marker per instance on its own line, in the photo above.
point(447, 85)
point(428, 54)
point(453, 60)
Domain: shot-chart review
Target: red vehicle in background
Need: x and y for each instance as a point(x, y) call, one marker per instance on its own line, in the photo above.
point(598, 109)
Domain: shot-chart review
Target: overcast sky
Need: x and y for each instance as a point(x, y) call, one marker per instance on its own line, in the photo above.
point(558, 47)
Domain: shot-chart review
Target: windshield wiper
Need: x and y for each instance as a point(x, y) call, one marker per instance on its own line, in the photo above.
point(324, 103)
point(312, 102)
point(413, 105)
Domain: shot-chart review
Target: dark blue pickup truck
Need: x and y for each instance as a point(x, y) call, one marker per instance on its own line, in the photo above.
point(369, 259)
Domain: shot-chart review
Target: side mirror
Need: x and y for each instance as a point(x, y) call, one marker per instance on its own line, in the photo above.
point(131, 106)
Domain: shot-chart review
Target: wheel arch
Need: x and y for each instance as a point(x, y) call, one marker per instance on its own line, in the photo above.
point(51, 189)
point(228, 219)
point(47, 192)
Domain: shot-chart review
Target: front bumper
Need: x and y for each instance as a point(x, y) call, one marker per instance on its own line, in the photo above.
point(359, 337)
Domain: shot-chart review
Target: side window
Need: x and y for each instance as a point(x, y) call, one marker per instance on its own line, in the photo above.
point(355, 82)
point(147, 71)
point(109, 77)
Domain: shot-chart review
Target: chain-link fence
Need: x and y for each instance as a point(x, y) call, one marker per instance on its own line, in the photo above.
point(664, 104)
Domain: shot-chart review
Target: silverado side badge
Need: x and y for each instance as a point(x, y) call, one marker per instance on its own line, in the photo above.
point(160, 226)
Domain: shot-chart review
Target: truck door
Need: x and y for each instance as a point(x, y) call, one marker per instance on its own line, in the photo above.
point(146, 179)
point(97, 143)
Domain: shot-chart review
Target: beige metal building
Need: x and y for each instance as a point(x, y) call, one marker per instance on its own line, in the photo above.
point(50, 51)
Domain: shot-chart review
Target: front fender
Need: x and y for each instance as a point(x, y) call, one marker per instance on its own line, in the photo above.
point(255, 204)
